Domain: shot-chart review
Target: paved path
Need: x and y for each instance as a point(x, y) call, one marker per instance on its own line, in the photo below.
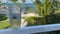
point(28, 15)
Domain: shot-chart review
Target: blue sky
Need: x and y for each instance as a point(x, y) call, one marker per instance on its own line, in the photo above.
point(27, 1)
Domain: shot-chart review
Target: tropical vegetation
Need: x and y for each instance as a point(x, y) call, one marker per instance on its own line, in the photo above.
point(45, 9)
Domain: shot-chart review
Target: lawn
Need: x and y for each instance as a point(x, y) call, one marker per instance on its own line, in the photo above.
point(4, 24)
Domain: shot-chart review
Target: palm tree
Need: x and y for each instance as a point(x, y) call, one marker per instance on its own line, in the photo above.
point(39, 6)
point(54, 6)
point(44, 8)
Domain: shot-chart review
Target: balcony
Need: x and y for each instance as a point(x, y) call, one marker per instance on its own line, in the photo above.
point(33, 29)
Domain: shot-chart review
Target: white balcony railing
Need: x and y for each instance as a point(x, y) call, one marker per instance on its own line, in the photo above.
point(32, 29)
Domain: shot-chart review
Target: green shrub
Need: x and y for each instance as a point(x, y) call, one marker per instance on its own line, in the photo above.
point(49, 19)
point(52, 19)
point(35, 21)
point(2, 17)
point(30, 21)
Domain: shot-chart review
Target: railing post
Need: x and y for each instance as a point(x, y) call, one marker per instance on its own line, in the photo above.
point(15, 17)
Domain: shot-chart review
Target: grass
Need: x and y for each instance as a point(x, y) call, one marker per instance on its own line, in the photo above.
point(4, 24)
